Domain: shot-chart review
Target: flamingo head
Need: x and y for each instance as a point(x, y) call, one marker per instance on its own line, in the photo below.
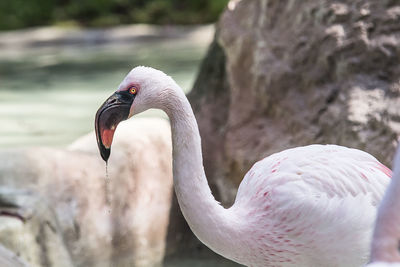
point(142, 88)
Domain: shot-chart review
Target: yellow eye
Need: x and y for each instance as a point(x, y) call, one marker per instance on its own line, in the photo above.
point(133, 90)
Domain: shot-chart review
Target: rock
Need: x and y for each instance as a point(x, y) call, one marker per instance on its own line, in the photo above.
point(282, 74)
point(30, 228)
point(120, 223)
point(8, 258)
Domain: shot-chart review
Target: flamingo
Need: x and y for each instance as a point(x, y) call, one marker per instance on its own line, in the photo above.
point(385, 250)
point(307, 206)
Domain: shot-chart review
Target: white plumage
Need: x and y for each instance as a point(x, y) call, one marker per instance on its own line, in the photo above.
point(311, 206)
point(306, 206)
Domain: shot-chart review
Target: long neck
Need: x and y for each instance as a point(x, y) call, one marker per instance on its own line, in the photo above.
point(210, 222)
point(386, 243)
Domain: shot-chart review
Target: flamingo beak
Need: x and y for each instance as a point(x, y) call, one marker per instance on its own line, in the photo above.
point(114, 110)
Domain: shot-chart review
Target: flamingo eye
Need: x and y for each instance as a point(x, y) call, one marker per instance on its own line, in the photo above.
point(133, 90)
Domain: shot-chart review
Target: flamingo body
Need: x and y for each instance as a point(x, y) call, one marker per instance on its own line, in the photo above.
point(307, 206)
point(310, 206)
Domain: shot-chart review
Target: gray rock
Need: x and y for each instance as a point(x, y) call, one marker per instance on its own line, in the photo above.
point(282, 74)
point(9, 258)
point(30, 228)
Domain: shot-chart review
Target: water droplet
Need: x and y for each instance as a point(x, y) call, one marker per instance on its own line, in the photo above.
point(107, 190)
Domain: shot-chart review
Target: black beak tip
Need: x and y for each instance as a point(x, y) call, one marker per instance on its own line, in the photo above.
point(105, 153)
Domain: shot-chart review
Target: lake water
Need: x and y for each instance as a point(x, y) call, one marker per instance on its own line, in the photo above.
point(52, 81)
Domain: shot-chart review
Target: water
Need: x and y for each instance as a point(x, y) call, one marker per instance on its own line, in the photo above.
point(107, 189)
point(49, 94)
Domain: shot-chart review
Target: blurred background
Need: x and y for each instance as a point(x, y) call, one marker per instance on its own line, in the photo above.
point(55, 74)
point(262, 76)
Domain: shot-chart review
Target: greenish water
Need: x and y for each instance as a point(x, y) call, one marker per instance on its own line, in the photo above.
point(49, 96)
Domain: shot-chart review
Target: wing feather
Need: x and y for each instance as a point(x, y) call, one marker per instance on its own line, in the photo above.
point(311, 200)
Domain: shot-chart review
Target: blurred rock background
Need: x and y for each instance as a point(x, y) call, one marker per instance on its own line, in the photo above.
point(291, 73)
point(278, 74)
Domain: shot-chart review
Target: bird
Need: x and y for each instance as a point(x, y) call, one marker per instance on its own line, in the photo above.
point(385, 249)
point(308, 206)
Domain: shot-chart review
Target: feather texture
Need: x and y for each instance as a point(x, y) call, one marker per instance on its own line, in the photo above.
point(303, 204)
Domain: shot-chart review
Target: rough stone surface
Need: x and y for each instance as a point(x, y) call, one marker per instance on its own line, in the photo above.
point(122, 222)
point(29, 227)
point(288, 73)
point(9, 258)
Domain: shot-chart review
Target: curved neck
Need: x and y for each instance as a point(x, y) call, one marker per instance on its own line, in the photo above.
point(386, 241)
point(209, 221)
